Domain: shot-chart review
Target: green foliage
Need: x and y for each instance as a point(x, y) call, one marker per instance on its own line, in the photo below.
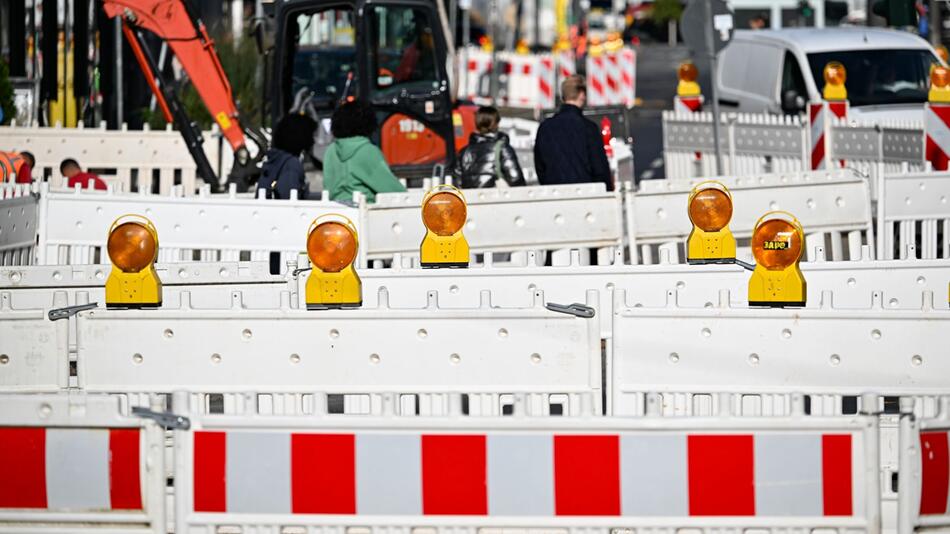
point(6, 94)
point(241, 64)
point(666, 10)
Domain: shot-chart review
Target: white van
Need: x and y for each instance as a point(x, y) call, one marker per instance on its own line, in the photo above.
point(779, 71)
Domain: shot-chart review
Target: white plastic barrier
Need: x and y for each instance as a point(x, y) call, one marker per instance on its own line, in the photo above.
point(587, 474)
point(924, 474)
point(764, 143)
point(834, 208)
point(430, 352)
point(17, 225)
point(760, 356)
point(74, 225)
point(914, 215)
point(76, 464)
point(141, 160)
point(504, 220)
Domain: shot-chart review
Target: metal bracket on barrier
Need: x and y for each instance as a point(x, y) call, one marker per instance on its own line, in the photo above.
point(576, 309)
point(166, 420)
point(65, 313)
point(744, 264)
point(298, 271)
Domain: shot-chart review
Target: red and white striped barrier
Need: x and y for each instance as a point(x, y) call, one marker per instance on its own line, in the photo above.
point(597, 87)
point(628, 76)
point(818, 473)
point(937, 135)
point(819, 137)
point(923, 499)
point(611, 78)
point(688, 104)
point(75, 460)
point(477, 67)
point(566, 66)
point(531, 80)
point(935, 473)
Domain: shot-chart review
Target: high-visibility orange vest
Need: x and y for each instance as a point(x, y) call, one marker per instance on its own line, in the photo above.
point(10, 164)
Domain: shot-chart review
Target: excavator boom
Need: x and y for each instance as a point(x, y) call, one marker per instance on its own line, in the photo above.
point(186, 35)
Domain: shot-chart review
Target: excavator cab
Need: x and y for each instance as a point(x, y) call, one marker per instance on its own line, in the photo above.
point(392, 54)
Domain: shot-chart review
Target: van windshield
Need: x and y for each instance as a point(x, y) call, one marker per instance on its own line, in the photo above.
point(877, 77)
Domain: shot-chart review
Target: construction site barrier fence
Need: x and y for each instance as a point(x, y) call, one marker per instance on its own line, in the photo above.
point(75, 463)
point(924, 475)
point(763, 143)
point(140, 160)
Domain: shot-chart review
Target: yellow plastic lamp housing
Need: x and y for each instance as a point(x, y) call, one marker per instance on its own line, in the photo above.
point(687, 74)
point(710, 210)
point(939, 85)
point(444, 213)
point(332, 246)
point(777, 245)
point(132, 246)
point(835, 76)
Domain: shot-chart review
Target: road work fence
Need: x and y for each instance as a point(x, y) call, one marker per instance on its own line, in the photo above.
point(648, 225)
point(762, 143)
point(131, 160)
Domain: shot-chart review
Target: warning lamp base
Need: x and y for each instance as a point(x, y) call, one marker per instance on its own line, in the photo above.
point(711, 261)
point(430, 265)
point(776, 304)
point(130, 306)
point(345, 306)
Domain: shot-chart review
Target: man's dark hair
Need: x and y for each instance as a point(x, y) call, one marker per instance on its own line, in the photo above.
point(294, 134)
point(66, 163)
point(351, 119)
point(486, 119)
point(30, 159)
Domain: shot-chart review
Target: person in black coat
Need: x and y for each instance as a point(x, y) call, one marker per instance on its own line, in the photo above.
point(488, 156)
point(569, 148)
point(283, 170)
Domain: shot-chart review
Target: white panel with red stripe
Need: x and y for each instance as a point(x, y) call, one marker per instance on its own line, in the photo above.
point(76, 460)
point(819, 131)
point(753, 472)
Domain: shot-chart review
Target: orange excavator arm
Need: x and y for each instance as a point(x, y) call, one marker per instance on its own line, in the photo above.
point(186, 35)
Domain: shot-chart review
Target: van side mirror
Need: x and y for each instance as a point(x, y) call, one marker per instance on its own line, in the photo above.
point(792, 102)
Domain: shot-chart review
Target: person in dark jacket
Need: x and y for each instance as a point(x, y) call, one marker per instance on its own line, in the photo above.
point(569, 148)
point(488, 156)
point(282, 170)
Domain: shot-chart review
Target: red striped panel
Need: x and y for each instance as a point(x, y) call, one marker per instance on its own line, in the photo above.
point(586, 475)
point(935, 155)
point(125, 486)
point(813, 111)
point(22, 468)
point(453, 475)
point(838, 109)
point(935, 461)
point(210, 464)
point(721, 475)
point(836, 474)
point(323, 473)
point(818, 153)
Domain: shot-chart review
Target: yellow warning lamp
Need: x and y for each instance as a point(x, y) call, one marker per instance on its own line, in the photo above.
point(596, 47)
point(444, 214)
point(522, 47)
point(710, 210)
point(939, 85)
point(133, 247)
point(687, 74)
point(835, 76)
point(614, 42)
point(777, 245)
point(332, 245)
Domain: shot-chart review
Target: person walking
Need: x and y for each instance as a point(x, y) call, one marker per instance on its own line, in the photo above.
point(488, 160)
point(569, 148)
point(282, 170)
point(352, 162)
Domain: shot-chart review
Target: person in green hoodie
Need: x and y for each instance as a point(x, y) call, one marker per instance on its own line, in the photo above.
point(352, 162)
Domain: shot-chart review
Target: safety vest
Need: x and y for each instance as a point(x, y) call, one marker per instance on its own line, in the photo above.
point(10, 164)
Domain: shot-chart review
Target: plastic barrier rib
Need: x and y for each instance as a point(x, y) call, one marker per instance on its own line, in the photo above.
point(75, 464)
point(760, 356)
point(924, 474)
point(73, 226)
point(17, 225)
point(434, 351)
point(592, 473)
point(916, 209)
point(835, 204)
point(504, 220)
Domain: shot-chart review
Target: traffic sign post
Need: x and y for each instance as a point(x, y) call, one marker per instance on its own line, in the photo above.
point(707, 29)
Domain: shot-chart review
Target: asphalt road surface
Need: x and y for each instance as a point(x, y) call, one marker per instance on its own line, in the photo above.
point(656, 85)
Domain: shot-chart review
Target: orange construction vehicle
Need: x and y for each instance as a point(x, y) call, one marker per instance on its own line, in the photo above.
point(396, 55)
